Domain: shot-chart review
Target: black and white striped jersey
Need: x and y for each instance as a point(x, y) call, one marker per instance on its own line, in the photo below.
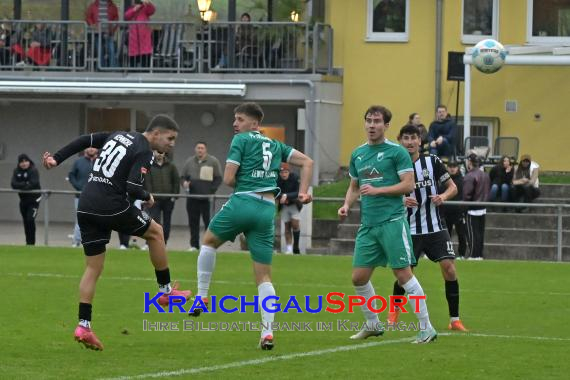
point(429, 174)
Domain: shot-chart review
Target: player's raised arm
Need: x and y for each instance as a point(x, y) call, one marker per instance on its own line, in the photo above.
point(299, 159)
point(93, 140)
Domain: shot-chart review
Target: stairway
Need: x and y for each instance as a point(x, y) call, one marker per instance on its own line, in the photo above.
point(531, 235)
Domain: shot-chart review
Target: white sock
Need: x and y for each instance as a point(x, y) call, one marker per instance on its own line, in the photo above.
point(453, 319)
point(206, 265)
point(367, 291)
point(414, 288)
point(289, 248)
point(166, 289)
point(265, 290)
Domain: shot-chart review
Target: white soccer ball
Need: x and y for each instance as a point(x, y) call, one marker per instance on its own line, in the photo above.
point(489, 56)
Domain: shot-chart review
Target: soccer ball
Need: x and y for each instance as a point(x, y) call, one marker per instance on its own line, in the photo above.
point(489, 56)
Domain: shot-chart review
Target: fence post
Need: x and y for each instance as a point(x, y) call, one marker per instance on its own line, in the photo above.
point(45, 196)
point(559, 234)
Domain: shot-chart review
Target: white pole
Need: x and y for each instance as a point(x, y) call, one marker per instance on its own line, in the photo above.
point(467, 106)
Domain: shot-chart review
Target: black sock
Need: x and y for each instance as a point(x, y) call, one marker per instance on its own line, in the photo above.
point(398, 291)
point(296, 241)
point(452, 295)
point(85, 311)
point(163, 276)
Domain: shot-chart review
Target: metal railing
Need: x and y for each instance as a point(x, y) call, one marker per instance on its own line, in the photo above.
point(43, 45)
point(561, 209)
point(221, 47)
point(46, 194)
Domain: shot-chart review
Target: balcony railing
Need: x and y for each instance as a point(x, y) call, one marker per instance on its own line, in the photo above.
point(153, 47)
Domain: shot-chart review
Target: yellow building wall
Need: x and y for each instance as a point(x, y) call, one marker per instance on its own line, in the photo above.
point(401, 76)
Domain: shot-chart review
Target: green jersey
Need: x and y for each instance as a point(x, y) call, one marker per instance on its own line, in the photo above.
point(380, 166)
point(259, 159)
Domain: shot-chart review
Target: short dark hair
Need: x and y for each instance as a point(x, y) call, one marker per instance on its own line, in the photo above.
point(250, 109)
point(201, 142)
point(245, 14)
point(474, 159)
point(452, 164)
point(162, 121)
point(385, 112)
point(441, 106)
point(409, 129)
point(412, 115)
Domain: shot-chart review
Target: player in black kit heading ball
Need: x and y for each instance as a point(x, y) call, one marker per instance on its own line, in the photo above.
point(106, 204)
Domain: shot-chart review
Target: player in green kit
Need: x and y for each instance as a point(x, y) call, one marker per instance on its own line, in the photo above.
point(381, 173)
point(252, 169)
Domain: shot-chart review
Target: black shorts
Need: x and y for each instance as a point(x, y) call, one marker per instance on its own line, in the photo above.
point(96, 229)
point(436, 246)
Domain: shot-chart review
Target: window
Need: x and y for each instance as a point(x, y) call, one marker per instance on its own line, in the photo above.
point(479, 20)
point(548, 21)
point(388, 20)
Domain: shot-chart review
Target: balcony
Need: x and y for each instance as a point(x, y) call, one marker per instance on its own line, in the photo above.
point(118, 49)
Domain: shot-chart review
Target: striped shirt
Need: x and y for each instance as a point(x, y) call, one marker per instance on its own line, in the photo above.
point(429, 174)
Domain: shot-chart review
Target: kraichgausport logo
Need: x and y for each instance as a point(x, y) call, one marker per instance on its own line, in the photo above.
point(335, 303)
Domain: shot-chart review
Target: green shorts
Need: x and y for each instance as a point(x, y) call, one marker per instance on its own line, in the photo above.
point(254, 217)
point(388, 243)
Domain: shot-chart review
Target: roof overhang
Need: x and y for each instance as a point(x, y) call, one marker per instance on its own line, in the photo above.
point(56, 87)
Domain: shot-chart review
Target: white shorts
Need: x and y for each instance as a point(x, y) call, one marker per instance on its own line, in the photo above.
point(289, 212)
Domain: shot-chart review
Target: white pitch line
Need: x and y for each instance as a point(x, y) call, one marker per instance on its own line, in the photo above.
point(246, 283)
point(244, 363)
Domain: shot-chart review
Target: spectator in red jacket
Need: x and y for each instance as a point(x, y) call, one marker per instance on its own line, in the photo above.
point(140, 34)
point(38, 52)
point(103, 12)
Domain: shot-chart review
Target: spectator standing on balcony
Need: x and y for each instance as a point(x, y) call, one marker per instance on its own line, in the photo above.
point(201, 175)
point(525, 181)
point(246, 42)
point(26, 177)
point(102, 12)
point(501, 180)
point(162, 178)
point(441, 135)
point(78, 177)
point(476, 185)
point(140, 33)
point(5, 41)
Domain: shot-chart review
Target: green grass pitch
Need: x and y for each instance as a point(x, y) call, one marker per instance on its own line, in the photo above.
point(517, 313)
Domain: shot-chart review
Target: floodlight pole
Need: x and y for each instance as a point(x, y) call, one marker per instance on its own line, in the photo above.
point(467, 101)
point(457, 117)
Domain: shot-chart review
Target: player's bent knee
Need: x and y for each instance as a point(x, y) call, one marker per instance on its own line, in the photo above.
point(154, 232)
point(359, 279)
point(211, 240)
point(448, 269)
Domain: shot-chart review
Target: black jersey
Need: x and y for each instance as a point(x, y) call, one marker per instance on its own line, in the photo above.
point(429, 174)
point(118, 173)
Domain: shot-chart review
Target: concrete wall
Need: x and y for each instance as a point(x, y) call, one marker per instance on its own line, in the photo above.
point(36, 127)
point(33, 128)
